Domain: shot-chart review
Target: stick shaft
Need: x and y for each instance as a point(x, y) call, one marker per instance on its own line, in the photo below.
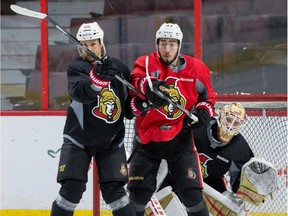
point(224, 200)
point(166, 97)
point(26, 12)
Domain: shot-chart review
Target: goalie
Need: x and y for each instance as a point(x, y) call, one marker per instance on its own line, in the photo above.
point(223, 149)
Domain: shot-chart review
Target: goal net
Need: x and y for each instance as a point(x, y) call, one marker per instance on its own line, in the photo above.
point(266, 133)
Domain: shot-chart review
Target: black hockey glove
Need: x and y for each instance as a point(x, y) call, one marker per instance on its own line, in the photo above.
point(106, 70)
point(203, 119)
point(152, 96)
point(139, 106)
point(203, 111)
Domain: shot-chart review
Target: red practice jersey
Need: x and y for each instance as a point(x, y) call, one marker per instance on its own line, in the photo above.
point(189, 83)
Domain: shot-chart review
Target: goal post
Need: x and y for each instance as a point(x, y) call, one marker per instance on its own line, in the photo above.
point(266, 133)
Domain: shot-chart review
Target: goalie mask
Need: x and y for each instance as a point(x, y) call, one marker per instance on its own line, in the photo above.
point(169, 31)
point(231, 118)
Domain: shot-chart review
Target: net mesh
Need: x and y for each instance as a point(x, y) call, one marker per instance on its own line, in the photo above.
point(266, 132)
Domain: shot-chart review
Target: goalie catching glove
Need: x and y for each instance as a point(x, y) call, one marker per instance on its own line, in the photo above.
point(258, 180)
point(103, 73)
point(151, 96)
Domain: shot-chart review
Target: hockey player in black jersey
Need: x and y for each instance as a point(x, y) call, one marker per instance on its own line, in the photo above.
point(94, 128)
point(221, 148)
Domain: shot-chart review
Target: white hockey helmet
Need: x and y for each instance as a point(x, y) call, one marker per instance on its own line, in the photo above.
point(90, 31)
point(231, 118)
point(169, 30)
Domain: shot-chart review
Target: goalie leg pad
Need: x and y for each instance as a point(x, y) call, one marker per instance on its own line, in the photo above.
point(216, 208)
point(169, 202)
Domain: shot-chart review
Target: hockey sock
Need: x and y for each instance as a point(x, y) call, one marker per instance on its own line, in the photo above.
point(56, 211)
point(128, 210)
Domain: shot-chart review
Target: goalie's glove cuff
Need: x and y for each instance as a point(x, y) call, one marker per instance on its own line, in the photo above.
point(97, 82)
point(139, 106)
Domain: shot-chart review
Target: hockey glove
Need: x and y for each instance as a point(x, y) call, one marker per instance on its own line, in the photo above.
point(152, 96)
point(258, 180)
point(204, 111)
point(97, 83)
point(139, 106)
point(106, 70)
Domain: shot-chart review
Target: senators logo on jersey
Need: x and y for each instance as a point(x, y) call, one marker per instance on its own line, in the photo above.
point(109, 108)
point(203, 163)
point(170, 110)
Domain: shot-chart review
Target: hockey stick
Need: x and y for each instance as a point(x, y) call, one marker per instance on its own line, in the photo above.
point(166, 97)
point(224, 200)
point(26, 12)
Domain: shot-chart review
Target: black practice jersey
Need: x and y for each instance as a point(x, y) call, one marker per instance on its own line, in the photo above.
point(215, 162)
point(95, 119)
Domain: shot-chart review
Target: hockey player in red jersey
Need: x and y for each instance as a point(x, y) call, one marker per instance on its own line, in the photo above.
point(94, 128)
point(161, 131)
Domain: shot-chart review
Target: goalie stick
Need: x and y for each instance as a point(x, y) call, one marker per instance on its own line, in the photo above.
point(166, 97)
point(224, 200)
point(30, 13)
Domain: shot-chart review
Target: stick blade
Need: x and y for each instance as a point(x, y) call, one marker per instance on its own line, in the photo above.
point(25, 12)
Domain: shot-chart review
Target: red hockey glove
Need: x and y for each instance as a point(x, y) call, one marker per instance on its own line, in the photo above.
point(150, 95)
point(106, 70)
point(204, 111)
point(139, 106)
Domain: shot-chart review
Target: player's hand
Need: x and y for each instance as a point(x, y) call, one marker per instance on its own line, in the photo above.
point(203, 119)
point(139, 106)
point(232, 196)
point(152, 96)
point(106, 70)
point(203, 111)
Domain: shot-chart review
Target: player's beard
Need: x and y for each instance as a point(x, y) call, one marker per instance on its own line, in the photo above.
point(168, 59)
